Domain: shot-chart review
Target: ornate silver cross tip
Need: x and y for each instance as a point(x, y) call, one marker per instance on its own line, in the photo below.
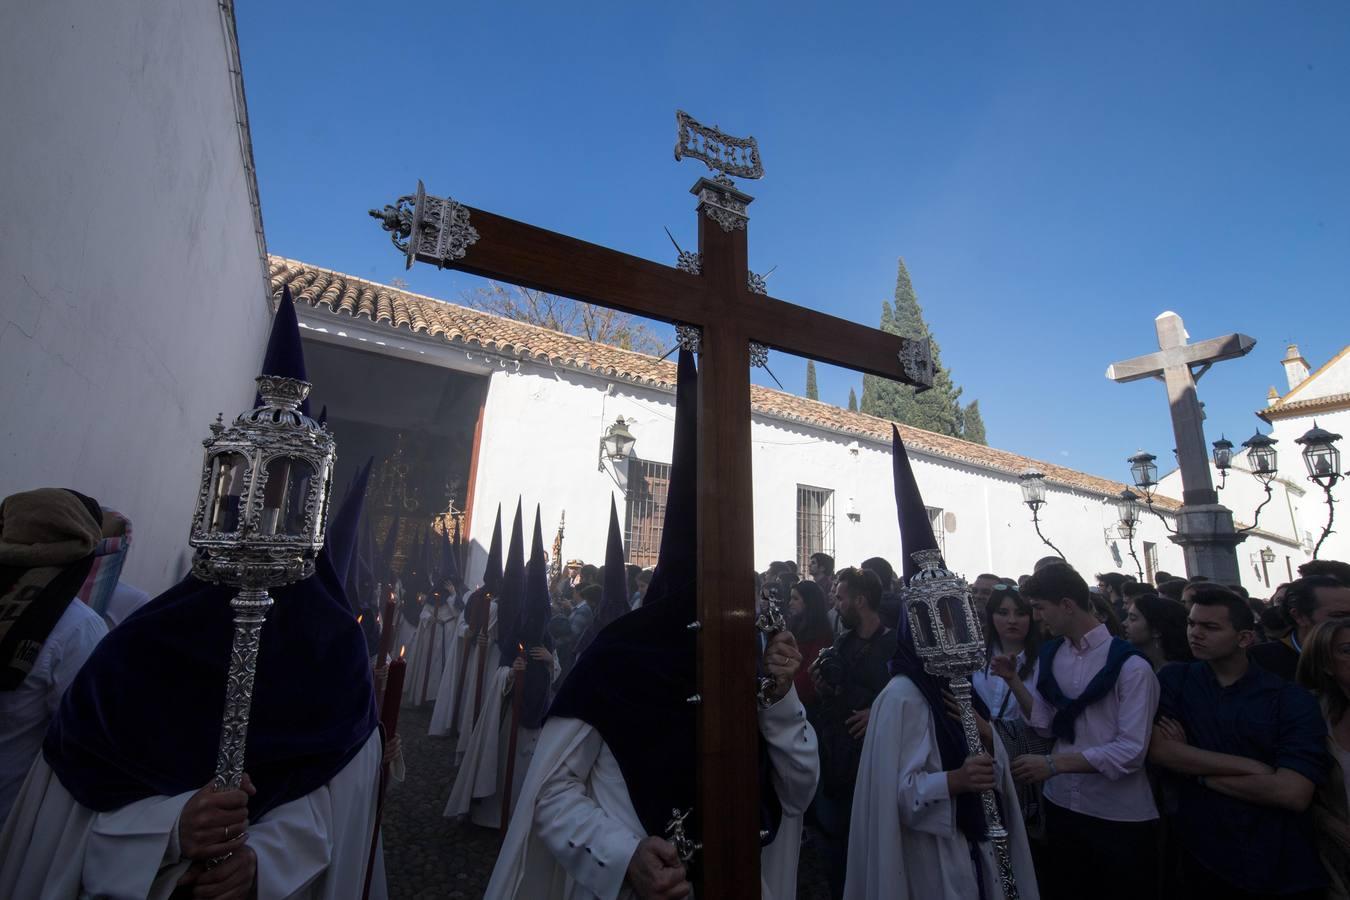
point(724, 154)
point(435, 227)
point(916, 361)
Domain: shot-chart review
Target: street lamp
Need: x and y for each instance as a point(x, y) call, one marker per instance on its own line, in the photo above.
point(1223, 459)
point(1324, 469)
point(1261, 456)
point(1263, 459)
point(1032, 482)
point(617, 444)
point(1144, 469)
point(1127, 511)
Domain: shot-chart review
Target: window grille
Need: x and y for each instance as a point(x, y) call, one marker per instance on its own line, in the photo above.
point(936, 519)
point(648, 485)
point(815, 523)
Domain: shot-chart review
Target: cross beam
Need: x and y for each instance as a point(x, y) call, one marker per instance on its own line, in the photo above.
point(1173, 364)
point(719, 301)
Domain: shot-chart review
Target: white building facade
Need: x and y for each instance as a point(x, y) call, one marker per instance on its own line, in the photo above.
point(822, 475)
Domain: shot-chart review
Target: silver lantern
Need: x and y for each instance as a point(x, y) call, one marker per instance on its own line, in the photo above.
point(259, 524)
point(949, 640)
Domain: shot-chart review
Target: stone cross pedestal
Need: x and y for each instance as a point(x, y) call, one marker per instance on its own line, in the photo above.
point(1204, 527)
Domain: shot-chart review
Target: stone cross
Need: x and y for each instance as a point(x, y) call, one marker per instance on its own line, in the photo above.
point(1176, 364)
point(717, 303)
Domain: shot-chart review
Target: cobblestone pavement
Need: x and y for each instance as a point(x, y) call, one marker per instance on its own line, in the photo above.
point(428, 857)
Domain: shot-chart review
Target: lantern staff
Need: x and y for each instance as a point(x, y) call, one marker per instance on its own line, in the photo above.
point(261, 514)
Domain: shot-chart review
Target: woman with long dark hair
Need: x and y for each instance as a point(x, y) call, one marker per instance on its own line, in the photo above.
point(1156, 626)
point(1009, 630)
point(1012, 643)
point(809, 624)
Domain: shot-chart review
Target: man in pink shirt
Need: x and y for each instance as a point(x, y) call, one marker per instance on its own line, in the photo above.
point(1097, 697)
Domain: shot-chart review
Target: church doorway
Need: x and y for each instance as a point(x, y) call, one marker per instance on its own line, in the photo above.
point(421, 423)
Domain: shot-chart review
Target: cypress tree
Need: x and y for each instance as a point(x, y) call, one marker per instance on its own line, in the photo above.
point(972, 424)
point(852, 401)
point(938, 409)
point(812, 392)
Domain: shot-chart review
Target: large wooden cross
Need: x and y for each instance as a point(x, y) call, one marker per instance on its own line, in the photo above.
point(714, 292)
point(1175, 364)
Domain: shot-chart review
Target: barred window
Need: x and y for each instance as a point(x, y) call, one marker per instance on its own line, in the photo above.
point(815, 523)
point(648, 484)
point(937, 520)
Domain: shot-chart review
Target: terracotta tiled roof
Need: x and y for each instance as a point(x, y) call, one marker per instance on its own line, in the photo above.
point(398, 308)
point(1294, 408)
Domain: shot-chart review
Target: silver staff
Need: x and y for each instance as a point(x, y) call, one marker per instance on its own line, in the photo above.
point(260, 518)
point(949, 638)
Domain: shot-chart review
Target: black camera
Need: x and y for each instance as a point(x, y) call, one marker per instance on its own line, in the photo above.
point(829, 667)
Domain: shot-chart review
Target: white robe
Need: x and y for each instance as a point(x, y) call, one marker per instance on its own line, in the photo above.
point(447, 690)
point(903, 839)
point(315, 847)
point(575, 829)
point(466, 716)
point(477, 790)
point(429, 652)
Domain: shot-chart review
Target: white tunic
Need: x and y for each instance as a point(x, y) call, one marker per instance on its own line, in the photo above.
point(26, 711)
point(477, 790)
point(447, 690)
point(429, 652)
point(575, 829)
point(903, 839)
point(315, 847)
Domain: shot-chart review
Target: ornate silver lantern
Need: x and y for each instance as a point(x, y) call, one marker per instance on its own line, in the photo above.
point(949, 640)
point(260, 519)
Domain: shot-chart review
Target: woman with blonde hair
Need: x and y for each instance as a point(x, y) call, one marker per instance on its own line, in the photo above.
point(1324, 669)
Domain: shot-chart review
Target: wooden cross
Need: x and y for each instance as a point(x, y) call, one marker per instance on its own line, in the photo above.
point(714, 292)
point(1175, 363)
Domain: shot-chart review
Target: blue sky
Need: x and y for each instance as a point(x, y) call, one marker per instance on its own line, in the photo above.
point(1055, 174)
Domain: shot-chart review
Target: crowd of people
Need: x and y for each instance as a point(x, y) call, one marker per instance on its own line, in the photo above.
point(1175, 739)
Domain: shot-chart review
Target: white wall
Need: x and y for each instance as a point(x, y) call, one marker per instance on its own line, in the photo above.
point(542, 428)
point(1313, 509)
point(132, 294)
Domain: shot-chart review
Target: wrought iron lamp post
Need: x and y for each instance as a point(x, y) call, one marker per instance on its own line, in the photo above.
point(1127, 511)
point(1223, 459)
point(261, 513)
point(1323, 460)
point(1264, 460)
point(617, 444)
point(949, 639)
point(1032, 482)
point(1144, 472)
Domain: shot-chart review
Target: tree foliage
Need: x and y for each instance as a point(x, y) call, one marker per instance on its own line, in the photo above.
point(852, 401)
point(584, 320)
point(938, 409)
point(812, 392)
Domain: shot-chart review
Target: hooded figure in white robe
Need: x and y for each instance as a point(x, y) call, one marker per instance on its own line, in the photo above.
point(460, 691)
point(135, 741)
point(617, 753)
point(910, 838)
point(436, 628)
point(480, 784)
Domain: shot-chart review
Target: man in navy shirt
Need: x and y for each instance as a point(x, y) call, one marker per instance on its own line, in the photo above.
point(1253, 748)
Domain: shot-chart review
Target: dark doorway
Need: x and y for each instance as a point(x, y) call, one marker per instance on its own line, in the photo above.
point(419, 422)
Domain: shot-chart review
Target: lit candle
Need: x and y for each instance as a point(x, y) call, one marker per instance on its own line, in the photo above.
point(393, 693)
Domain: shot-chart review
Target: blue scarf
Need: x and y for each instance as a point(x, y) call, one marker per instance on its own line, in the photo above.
point(1068, 710)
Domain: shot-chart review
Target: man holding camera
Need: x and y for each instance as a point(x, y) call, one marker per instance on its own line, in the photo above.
point(848, 676)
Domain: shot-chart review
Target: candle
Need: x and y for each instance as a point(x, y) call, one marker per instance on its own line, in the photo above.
point(387, 629)
point(393, 694)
